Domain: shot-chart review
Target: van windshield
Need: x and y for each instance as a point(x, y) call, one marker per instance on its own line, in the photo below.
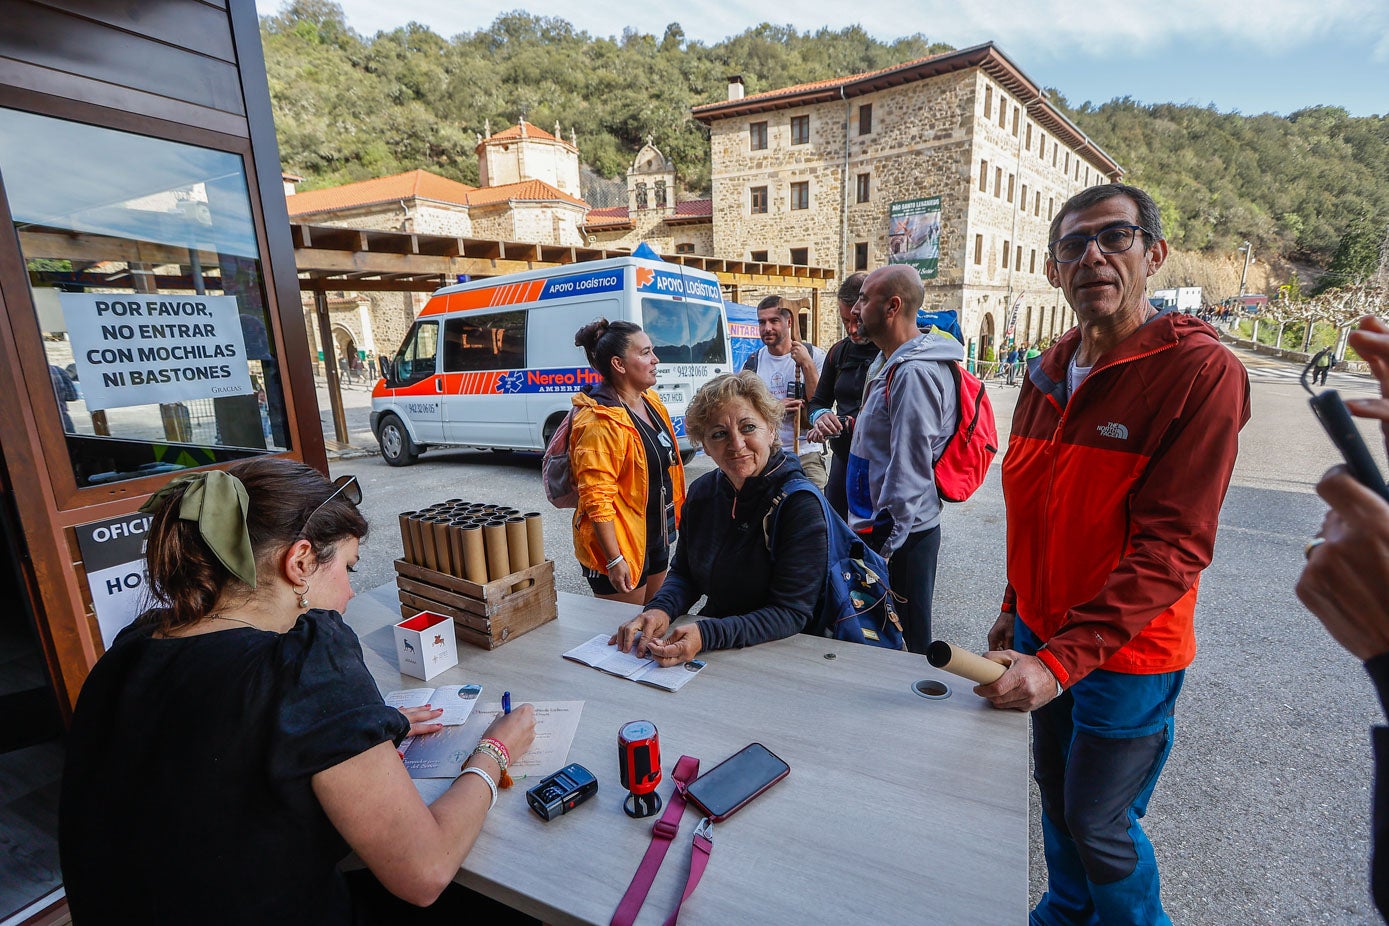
point(684, 332)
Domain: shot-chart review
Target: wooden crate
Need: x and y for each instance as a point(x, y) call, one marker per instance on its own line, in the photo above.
point(483, 615)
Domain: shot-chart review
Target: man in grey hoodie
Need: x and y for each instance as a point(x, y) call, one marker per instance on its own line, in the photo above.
point(909, 412)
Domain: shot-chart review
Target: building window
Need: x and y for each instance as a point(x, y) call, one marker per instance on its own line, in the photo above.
point(1031, 260)
point(800, 130)
point(95, 236)
point(685, 247)
point(1002, 112)
point(988, 100)
point(1067, 168)
point(865, 118)
point(1054, 146)
point(862, 189)
point(757, 136)
point(800, 194)
point(983, 176)
point(861, 255)
point(978, 249)
point(1007, 252)
point(1017, 258)
point(758, 256)
point(1037, 203)
point(1022, 200)
point(800, 256)
point(998, 182)
point(1028, 144)
point(1042, 148)
point(1051, 207)
point(1011, 180)
point(1017, 111)
point(759, 200)
point(660, 194)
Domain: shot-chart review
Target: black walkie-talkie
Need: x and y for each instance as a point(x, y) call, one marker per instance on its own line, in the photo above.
point(1331, 411)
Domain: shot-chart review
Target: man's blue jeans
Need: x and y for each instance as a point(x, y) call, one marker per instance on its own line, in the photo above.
point(1097, 752)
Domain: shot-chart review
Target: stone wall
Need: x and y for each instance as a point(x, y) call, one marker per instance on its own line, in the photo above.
point(515, 159)
point(928, 138)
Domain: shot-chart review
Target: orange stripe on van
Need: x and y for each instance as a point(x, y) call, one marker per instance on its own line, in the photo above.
point(487, 297)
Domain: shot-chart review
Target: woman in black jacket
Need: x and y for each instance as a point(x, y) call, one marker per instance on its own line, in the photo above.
point(754, 594)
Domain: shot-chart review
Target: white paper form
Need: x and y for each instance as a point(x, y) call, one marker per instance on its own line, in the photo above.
point(442, 754)
point(457, 701)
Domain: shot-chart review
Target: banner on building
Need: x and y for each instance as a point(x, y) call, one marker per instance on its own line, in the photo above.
point(137, 349)
point(913, 234)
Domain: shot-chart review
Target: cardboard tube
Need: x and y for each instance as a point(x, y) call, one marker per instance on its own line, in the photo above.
point(535, 538)
point(407, 539)
point(963, 663)
point(455, 527)
point(443, 547)
point(517, 550)
point(424, 542)
point(474, 554)
point(494, 538)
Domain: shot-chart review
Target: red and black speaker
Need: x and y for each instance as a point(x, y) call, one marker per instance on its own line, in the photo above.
point(639, 765)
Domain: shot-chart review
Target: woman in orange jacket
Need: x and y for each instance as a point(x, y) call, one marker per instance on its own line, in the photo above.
point(626, 466)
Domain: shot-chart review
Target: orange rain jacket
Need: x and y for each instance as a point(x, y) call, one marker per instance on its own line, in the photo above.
point(609, 467)
point(1113, 496)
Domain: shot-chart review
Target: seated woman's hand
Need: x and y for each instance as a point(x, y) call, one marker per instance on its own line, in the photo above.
point(421, 719)
point(516, 731)
point(683, 644)
point(650, 624)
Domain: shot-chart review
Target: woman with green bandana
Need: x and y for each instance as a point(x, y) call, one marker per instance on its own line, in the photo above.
point(230, 747)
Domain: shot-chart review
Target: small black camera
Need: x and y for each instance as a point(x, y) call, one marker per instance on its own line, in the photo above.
point(795, 390)
point(562, 791)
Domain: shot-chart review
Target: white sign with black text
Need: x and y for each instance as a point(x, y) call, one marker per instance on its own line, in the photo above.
point(113, 555)
point(145, 349)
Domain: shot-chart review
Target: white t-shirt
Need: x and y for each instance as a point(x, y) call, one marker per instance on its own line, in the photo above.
point(778, 373)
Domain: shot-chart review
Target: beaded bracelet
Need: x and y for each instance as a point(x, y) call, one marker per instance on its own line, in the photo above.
point(613, 562)
point(489, 748)
point(482, 773)
point(506, 753)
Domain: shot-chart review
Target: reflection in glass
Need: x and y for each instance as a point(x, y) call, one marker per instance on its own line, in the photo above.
point(102, 213)
point(684, 332)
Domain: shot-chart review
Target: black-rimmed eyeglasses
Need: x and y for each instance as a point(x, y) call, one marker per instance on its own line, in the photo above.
point(1113, 240)
point(346, 486)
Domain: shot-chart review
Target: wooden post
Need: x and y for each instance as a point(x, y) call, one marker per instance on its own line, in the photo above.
point(330, 365)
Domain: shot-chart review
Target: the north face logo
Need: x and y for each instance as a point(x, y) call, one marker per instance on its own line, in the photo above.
point(1114, 429)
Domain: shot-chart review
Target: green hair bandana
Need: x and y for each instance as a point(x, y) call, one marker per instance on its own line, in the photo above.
point(217, 501)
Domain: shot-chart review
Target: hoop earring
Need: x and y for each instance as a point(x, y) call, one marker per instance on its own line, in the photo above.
point(303, 595)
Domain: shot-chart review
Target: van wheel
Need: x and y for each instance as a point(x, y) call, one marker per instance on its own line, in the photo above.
point(396, 446)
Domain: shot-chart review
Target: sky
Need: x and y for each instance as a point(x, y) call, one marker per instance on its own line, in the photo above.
point(1250, 56)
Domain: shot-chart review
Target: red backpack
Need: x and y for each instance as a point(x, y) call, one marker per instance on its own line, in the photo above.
point(964, 461)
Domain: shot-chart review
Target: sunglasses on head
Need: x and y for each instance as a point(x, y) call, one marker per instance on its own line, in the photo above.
point(346, 486)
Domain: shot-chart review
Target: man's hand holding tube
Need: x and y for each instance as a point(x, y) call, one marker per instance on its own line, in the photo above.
point(1027, 685)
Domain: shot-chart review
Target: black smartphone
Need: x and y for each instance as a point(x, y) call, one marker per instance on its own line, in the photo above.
point(725, 788)
point(1340, 426)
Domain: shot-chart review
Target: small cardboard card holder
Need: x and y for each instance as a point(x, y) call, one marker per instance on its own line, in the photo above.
point(425, 645)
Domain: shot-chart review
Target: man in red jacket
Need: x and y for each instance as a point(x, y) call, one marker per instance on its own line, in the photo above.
point(1122, 445)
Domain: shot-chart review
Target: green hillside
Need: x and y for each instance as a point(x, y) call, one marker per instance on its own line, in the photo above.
point(350, 107)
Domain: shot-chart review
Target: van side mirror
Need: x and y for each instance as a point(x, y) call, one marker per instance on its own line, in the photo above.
point(387, 368)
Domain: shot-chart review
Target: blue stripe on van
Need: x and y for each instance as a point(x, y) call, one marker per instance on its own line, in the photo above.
point(583, 284)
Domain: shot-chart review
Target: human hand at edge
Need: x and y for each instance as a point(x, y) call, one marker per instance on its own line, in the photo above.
point(650, 624)
point(683, 644)
point(826, 426)
point(516, 730)
point(421, 719)
point(1345, 577)
point(1027, 685)
point(1001, 633)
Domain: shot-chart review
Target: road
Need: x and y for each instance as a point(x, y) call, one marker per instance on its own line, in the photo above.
point(1261, 816)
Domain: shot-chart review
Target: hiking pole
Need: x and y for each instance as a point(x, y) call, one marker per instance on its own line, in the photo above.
point(799, 392)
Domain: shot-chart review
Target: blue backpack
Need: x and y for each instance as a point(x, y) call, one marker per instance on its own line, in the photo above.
point(856, 603)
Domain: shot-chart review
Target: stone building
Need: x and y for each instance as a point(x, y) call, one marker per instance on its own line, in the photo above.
point(529, 192)
point(844, 173)
point(652, 213)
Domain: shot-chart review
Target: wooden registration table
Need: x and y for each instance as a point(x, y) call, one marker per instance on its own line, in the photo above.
point(898, 809)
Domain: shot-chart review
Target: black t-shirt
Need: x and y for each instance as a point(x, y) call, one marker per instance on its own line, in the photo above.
point(660, 457)
point(186, 794)
point(841, 383)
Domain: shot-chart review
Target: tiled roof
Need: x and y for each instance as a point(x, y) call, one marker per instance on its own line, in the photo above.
point(413, 184)
point(695, 207)
point(532, 131)
point(608, 217)
point(526, 189)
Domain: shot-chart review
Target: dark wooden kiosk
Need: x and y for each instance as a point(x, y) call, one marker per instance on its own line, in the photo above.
point(139, 169)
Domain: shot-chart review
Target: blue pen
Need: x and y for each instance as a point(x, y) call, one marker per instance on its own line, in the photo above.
point(506, 702)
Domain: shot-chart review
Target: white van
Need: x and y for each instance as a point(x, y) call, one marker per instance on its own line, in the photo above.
point(492, 363)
